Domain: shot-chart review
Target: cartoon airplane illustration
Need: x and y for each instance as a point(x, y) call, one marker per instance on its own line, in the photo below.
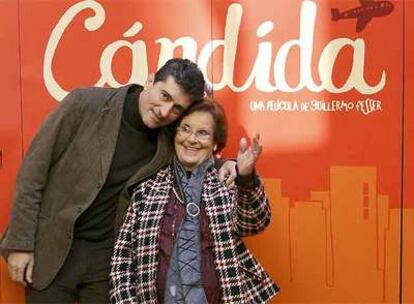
point(364, 13)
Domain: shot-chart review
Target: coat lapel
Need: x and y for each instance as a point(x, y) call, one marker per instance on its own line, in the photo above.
point(108, 134)
point(156, 199)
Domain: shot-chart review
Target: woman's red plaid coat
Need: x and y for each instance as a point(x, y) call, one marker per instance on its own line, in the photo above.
point(231, 214)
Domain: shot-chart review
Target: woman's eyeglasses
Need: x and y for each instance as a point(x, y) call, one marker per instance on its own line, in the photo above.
point(186, 131)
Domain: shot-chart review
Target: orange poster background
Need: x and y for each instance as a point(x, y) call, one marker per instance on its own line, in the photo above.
point(408, 216)
point(10, 126)
point(334, 179)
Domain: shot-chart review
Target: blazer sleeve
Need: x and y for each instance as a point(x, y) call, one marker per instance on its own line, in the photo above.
point(123, 275)
point(50, 141)
point(252, 210)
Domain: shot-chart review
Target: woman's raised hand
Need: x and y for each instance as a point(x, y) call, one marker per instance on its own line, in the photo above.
point(248, 156)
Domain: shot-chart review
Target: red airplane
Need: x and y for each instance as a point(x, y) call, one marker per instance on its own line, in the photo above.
point(365, 12)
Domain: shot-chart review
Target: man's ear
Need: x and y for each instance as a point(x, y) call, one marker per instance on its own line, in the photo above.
point(149, 82)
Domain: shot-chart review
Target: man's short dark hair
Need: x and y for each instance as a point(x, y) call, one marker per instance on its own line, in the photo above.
point(186, 74)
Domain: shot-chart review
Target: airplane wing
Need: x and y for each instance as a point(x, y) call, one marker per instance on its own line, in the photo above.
point(362, 22)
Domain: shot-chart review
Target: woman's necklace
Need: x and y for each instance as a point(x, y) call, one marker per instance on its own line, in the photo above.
point(192, 209)
point(178, 197)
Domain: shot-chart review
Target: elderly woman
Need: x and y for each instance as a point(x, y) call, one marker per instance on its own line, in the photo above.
point(181, 238)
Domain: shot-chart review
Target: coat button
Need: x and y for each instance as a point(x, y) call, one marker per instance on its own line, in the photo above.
point(79, 209)
point(98, 186)
point(68, 235)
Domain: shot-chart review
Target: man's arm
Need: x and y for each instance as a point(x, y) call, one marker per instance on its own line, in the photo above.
point(47, 146)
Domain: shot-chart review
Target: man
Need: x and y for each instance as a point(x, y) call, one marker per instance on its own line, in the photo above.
point(91, 148)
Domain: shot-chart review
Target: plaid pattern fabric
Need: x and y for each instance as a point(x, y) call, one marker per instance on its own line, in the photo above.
point(231, 214)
